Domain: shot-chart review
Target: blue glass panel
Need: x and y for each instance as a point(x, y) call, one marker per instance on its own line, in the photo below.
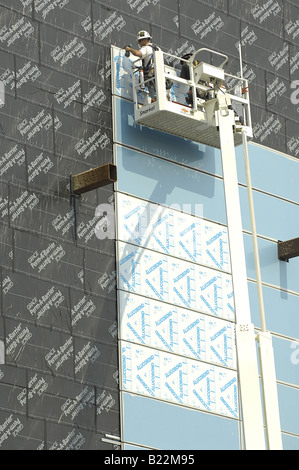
point(142, 138)
point(290, 442)
point(166, 426)
point(288, 398)
point(270, 172)
point(275, 218)
point(160, 181)
point(281, 310)
point(286, 355)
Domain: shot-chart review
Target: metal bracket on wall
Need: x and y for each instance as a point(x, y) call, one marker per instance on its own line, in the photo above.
point(88, 181)
point(110, 439)
point(288, 249)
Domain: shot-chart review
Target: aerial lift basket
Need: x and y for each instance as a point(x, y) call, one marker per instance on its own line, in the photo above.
point(167, 110)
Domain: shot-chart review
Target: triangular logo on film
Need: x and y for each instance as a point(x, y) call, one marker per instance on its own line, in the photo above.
point(146, 375)
point(209, 295)
point(161, 233)
point(202, 389)
point(128, 271)
point(136, 323)
point(189, 243)
point(183, 287)
point(192, 338)
point(155, 279)
point(164, 331)
point(215, 250)
point(174, 382)
point(133, 224)
point(229, 397)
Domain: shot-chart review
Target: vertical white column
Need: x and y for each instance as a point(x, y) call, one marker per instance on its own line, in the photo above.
point(266, 353)
point(245, 337)
point(270, 391)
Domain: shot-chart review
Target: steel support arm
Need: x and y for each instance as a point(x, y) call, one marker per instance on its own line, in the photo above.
point(245, 338)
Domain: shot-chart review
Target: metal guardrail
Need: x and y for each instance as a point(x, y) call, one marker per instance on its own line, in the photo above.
point(239, 93)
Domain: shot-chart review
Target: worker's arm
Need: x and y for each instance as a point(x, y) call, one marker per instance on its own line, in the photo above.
point(135, 52)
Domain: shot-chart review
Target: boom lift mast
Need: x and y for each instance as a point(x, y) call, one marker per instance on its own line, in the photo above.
point(220, 118)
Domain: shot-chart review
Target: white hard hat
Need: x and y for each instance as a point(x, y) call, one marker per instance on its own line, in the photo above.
point(143, 35)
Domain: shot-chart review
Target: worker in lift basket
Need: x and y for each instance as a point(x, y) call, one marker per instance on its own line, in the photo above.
point(145, 52)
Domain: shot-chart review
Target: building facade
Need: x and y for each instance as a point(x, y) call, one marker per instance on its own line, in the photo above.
point(119, 332)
